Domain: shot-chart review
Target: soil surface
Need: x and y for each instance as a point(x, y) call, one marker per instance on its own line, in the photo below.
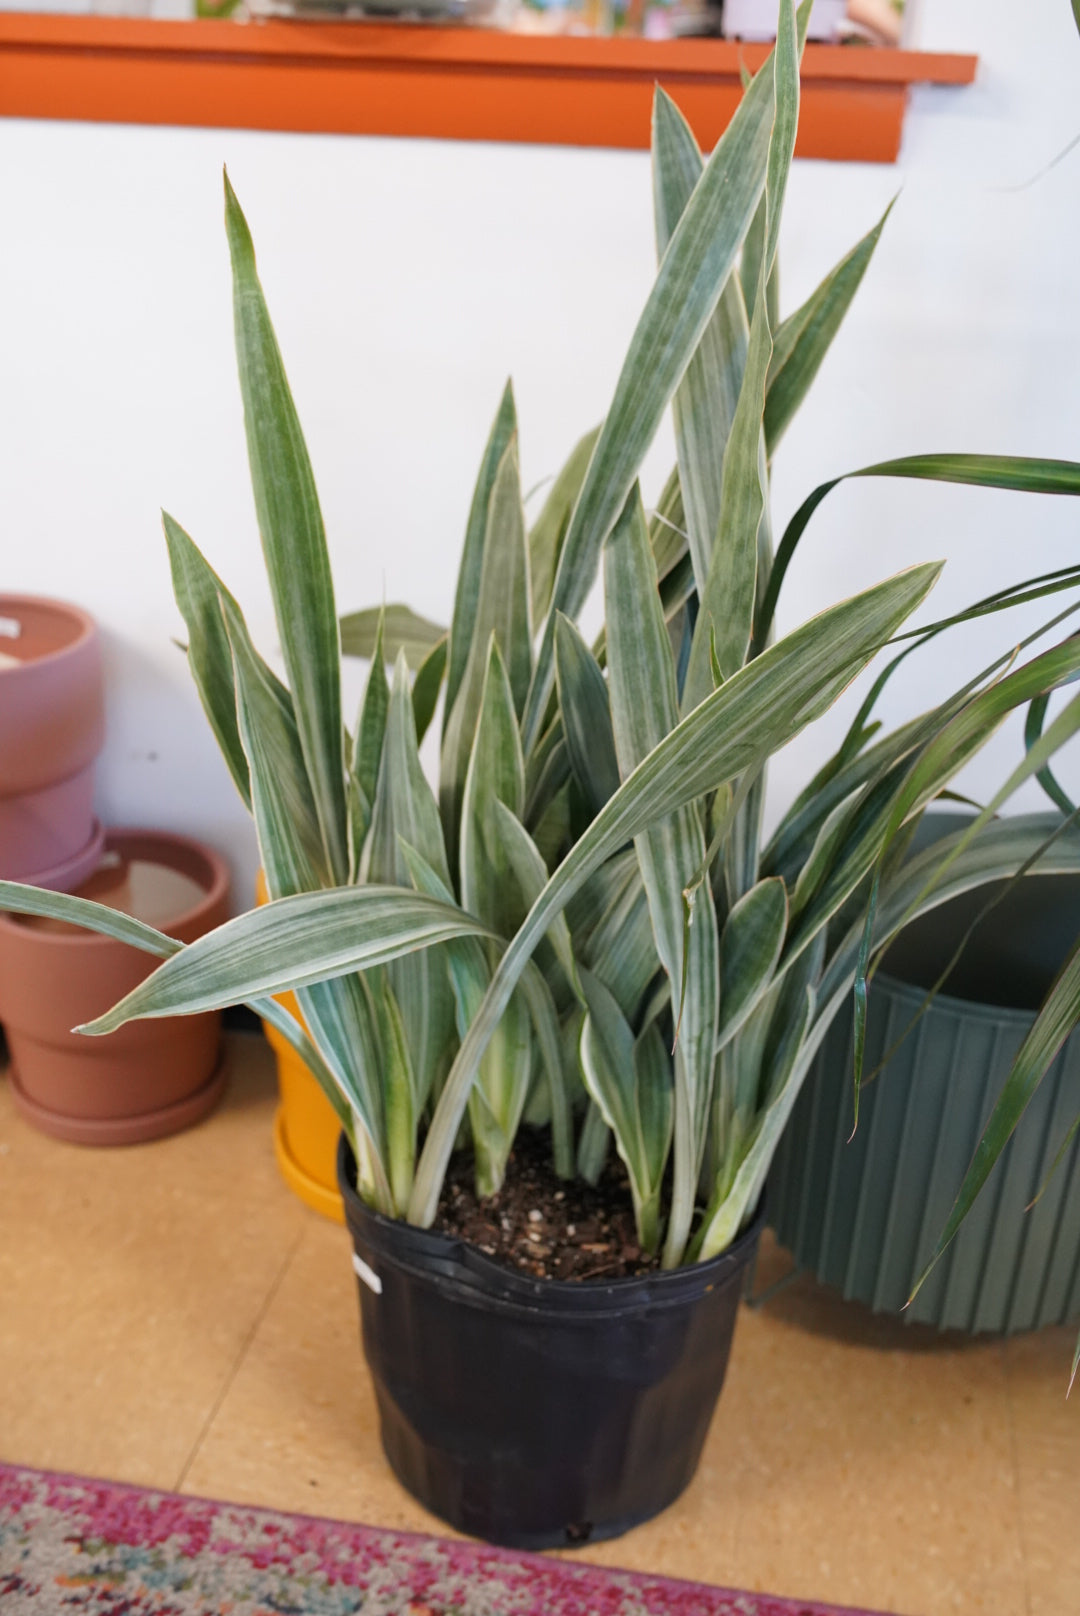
point(549, 1227)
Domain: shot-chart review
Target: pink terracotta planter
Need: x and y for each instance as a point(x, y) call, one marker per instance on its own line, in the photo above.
point(150, 1078)
point(52, 727)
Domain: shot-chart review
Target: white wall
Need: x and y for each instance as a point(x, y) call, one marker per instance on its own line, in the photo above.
point(408, 278)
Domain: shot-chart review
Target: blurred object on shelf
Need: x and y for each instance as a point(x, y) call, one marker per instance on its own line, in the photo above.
point(874, 22)
point(880, 22)
point(649, 19)
point(756, 19)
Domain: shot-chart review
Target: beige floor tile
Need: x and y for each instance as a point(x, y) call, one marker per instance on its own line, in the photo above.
point(298, 1428)
point(172, 1313)
point(851, 1459)
point(130, 1280)
point(1047, 1437)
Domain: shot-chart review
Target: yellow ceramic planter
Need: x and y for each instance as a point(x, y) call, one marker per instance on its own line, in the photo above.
point(305, 1127)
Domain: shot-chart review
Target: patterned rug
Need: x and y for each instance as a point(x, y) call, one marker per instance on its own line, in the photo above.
point(71, 1544)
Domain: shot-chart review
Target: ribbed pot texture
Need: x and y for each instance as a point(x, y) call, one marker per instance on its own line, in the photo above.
point(530, 1412)
point(151, 1077)
point(864, 1216)
point(52, 727)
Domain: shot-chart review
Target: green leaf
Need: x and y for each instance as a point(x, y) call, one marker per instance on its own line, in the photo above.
point(289, 943)
point(462, 627)
point(406, 812)
point(498, 1098)
point(586, 716)
point(502, 610)
point(371, 727)
point(549, 530)
point(401, 629)
point(1064, 727)
point(1012, 472)
point(399, 1088)
point(426, 686)
point(545, 1020)
point(762, 706)
point(405, 806)
point(594, 1140)
point(611, 1077)
point(198, 592)
point(506, 1068)
point(1058, 1017)
point(949, 749)
point(805, 337)
point(496, 774)
point(286, 820)
point(291, 854)
point(680, 305)
point(750, 946)
point(1001, 849)
point(822, 857)
point(644, 711)
point(530, 875)
point(1033, 728)
point(668, 537)
point(621, 949)
point(726, 617)
point(489, 890)
point(706, 398)
point(547, 771)
point(107, 922)
point(294, 544)
point(750, 267)
point(18, 899)
point(653, 1095)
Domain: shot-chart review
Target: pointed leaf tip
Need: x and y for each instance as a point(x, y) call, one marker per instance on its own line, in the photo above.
point(241, 245)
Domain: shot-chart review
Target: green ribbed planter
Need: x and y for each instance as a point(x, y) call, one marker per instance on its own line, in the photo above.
point(864, 1216)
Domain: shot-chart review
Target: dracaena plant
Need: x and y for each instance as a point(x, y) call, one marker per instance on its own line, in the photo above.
point(582, 926)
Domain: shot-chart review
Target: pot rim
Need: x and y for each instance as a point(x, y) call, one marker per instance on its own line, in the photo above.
point(475, 1277)
point(161, 840)
point(87, 625)
point(952, 1004)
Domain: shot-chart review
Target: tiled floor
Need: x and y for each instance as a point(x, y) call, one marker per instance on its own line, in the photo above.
point(170, 1315)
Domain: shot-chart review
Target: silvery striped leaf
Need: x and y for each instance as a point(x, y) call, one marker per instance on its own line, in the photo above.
point(198, 592)
point(462, 625)
point(549, 530)
point(294, 544)
point(670, 851)
point(688, 286)
point(502, 612)
point(406, 812)
point(397, 627)
point(763, 705)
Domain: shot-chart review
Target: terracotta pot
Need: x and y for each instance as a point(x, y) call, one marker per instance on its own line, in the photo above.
point(150, 1078)
point(306, 1127)
point(52, 727)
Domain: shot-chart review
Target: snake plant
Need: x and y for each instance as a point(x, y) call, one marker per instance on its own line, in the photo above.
point(583, 926)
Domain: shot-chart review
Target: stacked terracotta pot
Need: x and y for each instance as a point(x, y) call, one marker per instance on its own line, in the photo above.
point(150, 1078)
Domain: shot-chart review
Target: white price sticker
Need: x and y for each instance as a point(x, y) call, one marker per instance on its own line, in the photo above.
point(368, 1275)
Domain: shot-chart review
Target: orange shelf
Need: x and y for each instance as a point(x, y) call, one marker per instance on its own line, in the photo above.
point(449, 83)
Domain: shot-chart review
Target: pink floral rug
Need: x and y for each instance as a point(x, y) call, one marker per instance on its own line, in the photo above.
point(71, 1544)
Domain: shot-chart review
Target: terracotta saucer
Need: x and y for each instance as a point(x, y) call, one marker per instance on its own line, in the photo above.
point(167, 1119)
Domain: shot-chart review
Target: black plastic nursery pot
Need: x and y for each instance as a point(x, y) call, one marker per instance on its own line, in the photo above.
point(537, 1413)
point(864, 1215)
